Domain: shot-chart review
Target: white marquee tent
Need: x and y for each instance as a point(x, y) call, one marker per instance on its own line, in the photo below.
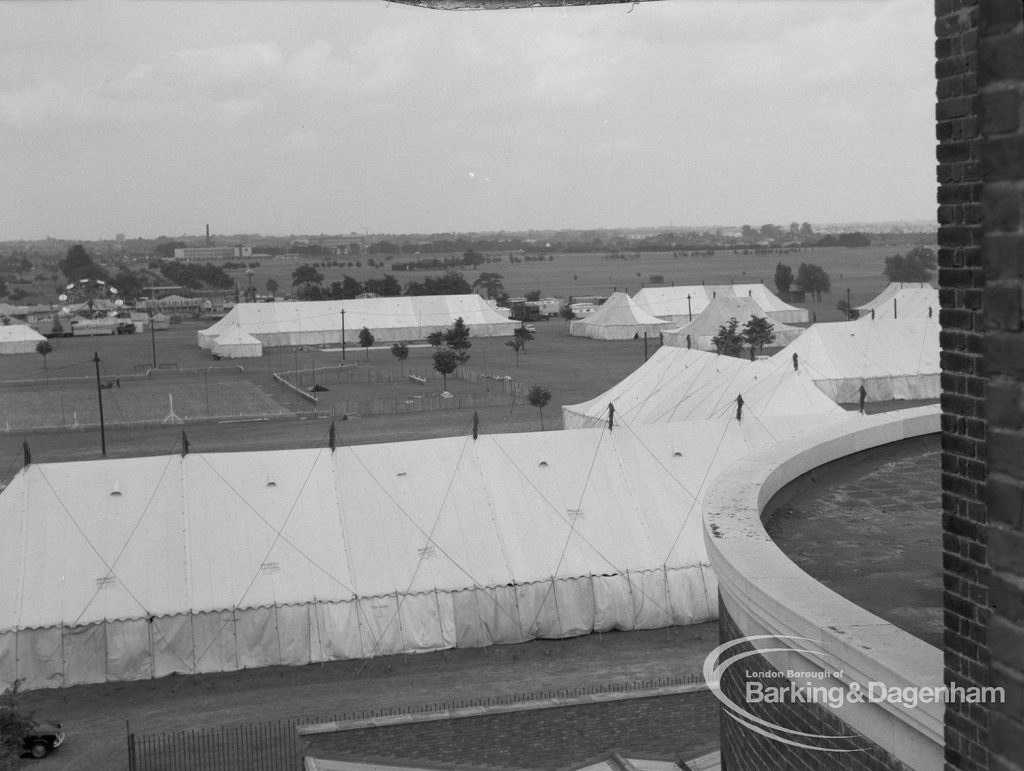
point(127, 569)
point(903, 301)
point(891, 359)
point(678, 384)
point(237, 344)
point(18, 338)
point(682, 304)
point(390, 319)
point(618, 318)
point(718, 312)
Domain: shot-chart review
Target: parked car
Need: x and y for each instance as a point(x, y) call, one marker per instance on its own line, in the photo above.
point(44, 737)
point(531, 328)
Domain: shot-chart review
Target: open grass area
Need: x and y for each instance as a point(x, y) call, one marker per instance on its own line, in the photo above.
point(859, 270)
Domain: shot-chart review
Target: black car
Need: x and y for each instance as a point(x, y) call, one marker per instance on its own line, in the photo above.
point(43, 737)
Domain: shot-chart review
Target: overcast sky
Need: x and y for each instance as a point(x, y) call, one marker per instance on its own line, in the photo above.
point(278, 117)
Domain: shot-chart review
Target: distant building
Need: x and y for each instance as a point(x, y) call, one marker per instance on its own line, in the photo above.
point(212, 252)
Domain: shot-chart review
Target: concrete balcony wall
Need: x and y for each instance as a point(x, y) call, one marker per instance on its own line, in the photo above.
point(763, 593)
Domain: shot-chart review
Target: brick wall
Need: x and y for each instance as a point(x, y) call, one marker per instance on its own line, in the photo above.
point(1001, 76)
point(666, 726)
point(745, 750)
point(961, 283)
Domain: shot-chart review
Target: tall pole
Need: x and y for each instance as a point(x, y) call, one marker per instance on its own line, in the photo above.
point(343, 334)
point(99, 394)
point(689, 309)
point(152, 335)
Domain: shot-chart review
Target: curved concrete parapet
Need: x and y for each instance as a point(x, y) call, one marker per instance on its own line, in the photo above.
point(764, 593)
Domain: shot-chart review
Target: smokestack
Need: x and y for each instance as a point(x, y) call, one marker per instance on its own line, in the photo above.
point(207, 234)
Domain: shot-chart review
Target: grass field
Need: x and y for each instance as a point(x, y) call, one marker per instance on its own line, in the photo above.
point(859, 270)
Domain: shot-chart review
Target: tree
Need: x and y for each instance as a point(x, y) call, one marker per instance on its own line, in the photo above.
point(490, 283)
point(306, 275)
point(130, 285)
point(401, 352)
point(728, 341)
point(783, 277)
point(758, 332)
point(516, 344)
point(813, 280)
point(272, 286)
point(15, 725)
point(450, 283)
point(472, 258)
point(44, 348)
point(566, 313)
point(539, 397)
point(916, 266)
point(445, 361)
point(366, 340)
point(78, 264)
point(534, 294)
point(523, 334)
point(385, 287)
point(456, 337)
point(436, 339)
point(3, 288)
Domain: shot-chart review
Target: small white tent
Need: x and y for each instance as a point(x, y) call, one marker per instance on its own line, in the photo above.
point(678, 384)
point(903, 301)
point(390, 319)
point(718, 312)
point(891, 359)
point(682, 304)
point(127, 569)
point(18, 338)
point(618, 318)
point(237, 344)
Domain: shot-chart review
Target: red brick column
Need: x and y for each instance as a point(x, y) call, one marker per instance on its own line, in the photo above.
point(961, 280)
point(1001, 76)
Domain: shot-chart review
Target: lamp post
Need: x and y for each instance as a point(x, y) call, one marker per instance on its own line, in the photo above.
point(99, 394)
point(343, 334)
point(152, 335)
point(689, 309)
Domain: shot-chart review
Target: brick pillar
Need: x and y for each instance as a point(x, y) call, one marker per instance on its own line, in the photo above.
point(1001, 76)
point(961, 281)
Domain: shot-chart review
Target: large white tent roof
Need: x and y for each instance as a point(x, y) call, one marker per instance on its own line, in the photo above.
point(619, 318)
point(680, 384)
point(388, 318)
point(128, 568)
point(903, 301)
point(237, 344)
point(18, 338)
point(891, 359)
point(681, 304)
point(718, 312)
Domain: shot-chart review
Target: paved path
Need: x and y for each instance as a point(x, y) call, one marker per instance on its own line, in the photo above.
point(870, 528)
point(95, 716)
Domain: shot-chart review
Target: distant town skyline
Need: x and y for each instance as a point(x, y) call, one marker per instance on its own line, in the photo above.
point(300, 118)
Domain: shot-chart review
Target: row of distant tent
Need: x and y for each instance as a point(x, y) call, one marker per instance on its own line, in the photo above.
point(691, 316)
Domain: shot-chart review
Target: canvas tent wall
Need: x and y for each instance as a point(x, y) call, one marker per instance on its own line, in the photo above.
point(903, 301)
point(891, 359)
point(18, 338)
point(678, 384)
point(671, 303)
point(127, 569)
point(236, 344)
point(618, 318)
point(718, 312)
point(390, 319)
